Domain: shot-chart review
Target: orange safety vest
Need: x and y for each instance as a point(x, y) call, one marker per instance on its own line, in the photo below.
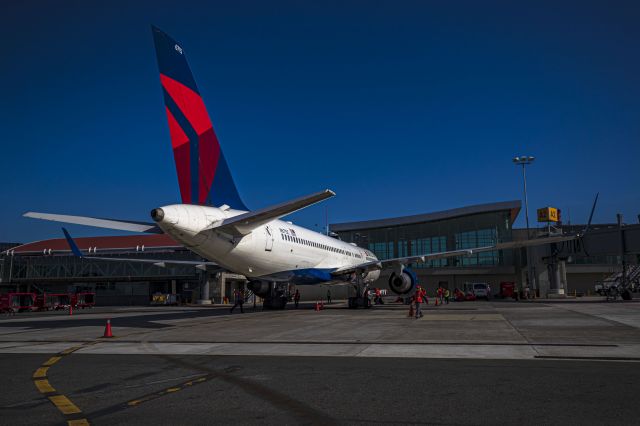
point(419, 296)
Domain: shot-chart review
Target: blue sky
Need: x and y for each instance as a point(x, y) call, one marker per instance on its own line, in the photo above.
point(399, 107)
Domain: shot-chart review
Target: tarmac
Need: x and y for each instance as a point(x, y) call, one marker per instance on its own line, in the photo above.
point(496, 362)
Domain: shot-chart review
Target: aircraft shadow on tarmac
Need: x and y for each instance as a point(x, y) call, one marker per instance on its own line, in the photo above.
point(151, 321)
point(143, 320)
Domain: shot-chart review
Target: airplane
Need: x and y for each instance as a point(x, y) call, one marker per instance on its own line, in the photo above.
point(213, 221)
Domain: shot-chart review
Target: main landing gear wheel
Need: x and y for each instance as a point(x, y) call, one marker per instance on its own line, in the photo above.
point(357, 302)
point(275, 303)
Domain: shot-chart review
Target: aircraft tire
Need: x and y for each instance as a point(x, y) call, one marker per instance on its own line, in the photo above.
point(275, 303)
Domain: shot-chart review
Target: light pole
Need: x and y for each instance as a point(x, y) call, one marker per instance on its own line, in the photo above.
point(524, 161)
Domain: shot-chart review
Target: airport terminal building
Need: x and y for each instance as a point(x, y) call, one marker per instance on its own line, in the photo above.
point(467, 227)
point(485, 225)
point(49, 266)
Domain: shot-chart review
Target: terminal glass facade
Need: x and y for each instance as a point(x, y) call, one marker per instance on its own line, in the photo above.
point(462, 232)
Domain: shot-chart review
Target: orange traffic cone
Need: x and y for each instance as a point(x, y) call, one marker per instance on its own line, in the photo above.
point(321, 305)
point(317, 307)
point(107, 329)
point(436, 301)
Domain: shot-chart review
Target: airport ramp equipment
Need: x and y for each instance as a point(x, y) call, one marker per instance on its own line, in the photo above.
point(620, 283)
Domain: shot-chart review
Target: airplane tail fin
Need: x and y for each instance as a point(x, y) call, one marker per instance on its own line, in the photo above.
point(203, 173)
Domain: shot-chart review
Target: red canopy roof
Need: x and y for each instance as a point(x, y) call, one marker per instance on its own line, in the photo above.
point(149, 241)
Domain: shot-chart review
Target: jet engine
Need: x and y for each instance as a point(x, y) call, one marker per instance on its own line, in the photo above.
point(260, 288)
point(403, 283)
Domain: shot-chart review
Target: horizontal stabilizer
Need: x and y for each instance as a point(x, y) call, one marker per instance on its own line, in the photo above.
point(122, 225)
point(246, 222)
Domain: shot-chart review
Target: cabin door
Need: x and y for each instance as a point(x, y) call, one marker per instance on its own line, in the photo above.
point(268, 238)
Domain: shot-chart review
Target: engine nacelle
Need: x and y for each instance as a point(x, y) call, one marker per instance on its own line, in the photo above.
point(260, 288)
point(404, 283)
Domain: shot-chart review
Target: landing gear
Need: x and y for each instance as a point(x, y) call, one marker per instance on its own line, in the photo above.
point(277, 297)
point(361, 299)
point(357, 302)
point(275, 303)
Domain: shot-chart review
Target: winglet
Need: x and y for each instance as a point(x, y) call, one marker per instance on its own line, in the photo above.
point(72, 244)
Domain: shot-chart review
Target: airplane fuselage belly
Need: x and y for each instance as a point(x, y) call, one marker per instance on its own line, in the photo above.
point(277, 251)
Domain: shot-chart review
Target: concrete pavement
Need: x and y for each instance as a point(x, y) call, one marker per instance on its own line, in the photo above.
point(470, 330)
point(464, 363)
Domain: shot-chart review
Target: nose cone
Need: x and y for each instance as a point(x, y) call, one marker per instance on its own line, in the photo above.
point(157, 215)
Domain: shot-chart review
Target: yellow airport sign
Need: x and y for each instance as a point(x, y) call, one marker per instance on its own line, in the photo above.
point(548, 214)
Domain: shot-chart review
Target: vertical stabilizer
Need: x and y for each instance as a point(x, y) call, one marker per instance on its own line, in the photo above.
point(203, 173)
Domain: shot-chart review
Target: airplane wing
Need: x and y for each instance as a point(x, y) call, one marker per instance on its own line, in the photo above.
point(389, 263)
point(122, 225)
point(246, 222)
point(162, 263)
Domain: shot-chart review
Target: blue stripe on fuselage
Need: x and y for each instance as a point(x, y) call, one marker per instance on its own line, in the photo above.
point(309, 276)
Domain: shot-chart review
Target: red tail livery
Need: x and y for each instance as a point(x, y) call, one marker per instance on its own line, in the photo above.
point(203, 173)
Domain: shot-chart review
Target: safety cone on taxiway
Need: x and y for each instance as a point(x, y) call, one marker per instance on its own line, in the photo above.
point(107, 329)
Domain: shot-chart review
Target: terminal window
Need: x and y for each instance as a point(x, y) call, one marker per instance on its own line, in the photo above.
point(477, 238)
point(427, 246)
point(382, 250)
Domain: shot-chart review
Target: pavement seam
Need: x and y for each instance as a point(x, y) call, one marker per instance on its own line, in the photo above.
point(596, 316)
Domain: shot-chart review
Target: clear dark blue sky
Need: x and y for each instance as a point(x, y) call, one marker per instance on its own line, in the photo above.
point(400, 107)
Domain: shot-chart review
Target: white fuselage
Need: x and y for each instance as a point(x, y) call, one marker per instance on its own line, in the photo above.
point(277, 250)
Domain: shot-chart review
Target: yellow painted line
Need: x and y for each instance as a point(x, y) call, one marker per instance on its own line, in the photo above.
point(52, 361)
point(64, 405)
point(40, 373)
point(70, 350)
point(80, 422)
point(135, 402)
point(44, 386)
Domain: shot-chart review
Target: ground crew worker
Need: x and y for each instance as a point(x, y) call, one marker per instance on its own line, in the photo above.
point(447, 294)
point(441, 294)
point(238, 296)
point(418, 301)
point(378, 299)
point(328, 297)
point(412, 305)
point(296, 298)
